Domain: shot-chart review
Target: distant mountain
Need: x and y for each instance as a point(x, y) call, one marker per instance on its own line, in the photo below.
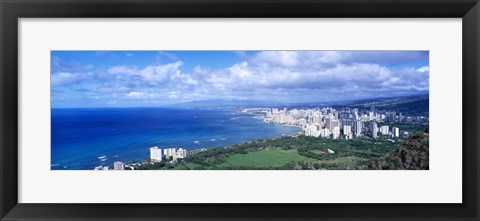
point(411, 155)
point(223, 103)
point(419, 103)
point(388, 100)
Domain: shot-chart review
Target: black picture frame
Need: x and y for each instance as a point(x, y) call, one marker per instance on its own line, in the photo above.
point(12, 10)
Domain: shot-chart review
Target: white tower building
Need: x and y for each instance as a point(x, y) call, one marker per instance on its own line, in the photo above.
point(155, 154)
point(396, 132)
point(347, 130)
point(384, 130)
point(118, 166)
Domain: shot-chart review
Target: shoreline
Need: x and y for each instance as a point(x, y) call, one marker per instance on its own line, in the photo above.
point(203, 149)
point(205, 145)
point(249, 134)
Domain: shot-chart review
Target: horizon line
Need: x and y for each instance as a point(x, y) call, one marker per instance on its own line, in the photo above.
point(271, 103)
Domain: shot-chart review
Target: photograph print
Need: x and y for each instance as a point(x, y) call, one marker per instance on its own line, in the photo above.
point(239, 110)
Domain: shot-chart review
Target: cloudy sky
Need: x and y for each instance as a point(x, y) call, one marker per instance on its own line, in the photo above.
point(156, 78)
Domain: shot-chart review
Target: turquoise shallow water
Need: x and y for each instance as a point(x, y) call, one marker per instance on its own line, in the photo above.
point(85, 138)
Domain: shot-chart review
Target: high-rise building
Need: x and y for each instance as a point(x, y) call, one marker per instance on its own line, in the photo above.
point(384, 130)
point(155, 154)
point(333, 124)
point(268, 114)
point(358, 128)
point(396, 132)
point(328, 123)
point(348, 137)
point(302, 122)
point(118, 166)
point(169, 152)
point(374, 129)
point(347, 130)
point(325, 132)
point(336, 132)
point(348, 122)
point(310, 130)
point(409, 119)
point(393, 116)
point(181, 153)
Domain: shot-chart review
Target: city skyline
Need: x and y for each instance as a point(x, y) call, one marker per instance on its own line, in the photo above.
point(361, 125)
point(157, 78)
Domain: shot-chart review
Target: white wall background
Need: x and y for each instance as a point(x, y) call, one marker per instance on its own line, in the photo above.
point(441, 184)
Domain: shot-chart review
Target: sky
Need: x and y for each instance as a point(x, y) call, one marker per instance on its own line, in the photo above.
point(165, 78)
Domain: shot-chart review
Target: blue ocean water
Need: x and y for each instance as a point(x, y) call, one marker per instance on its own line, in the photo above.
point(85, 138)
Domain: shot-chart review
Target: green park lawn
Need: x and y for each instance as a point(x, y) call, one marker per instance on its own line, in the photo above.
point(289, 153)
point(266, 158)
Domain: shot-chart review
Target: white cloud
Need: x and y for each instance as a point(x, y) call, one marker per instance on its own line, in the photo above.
point(282, 58)
point(172, 95)
point(135, 94)
point(423, 69)
point(243, 75)
point(118, 70)
point(184, 78)
point(280, 75)
point(312, 73)
point(160, 73)
point(66, 78)
point(151, 74)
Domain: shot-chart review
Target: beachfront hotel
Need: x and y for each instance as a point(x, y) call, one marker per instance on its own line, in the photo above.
point(118, 166)
point(155, 154)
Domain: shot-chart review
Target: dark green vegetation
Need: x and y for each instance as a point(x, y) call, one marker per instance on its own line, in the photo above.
point(412, 105)
point(411, 155)
point(286, 153)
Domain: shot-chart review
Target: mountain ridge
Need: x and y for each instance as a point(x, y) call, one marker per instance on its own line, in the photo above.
point(360, 103)
point(411, 155)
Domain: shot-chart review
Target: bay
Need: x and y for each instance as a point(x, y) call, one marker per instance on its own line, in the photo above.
point(84, 138)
